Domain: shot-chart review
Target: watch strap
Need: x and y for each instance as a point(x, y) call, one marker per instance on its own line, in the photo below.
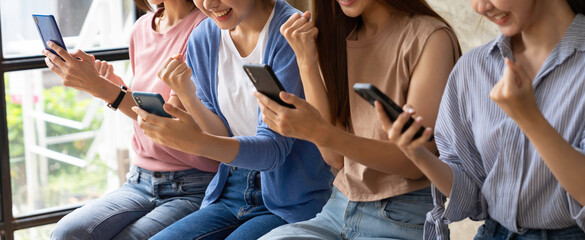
point(116, 103)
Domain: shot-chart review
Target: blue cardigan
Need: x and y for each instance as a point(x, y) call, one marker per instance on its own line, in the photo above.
point(296, 182)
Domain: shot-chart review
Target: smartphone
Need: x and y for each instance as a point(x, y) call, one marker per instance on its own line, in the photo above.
point(370, 93)
point(266, 82)
point(150, 102)
point(49, 31)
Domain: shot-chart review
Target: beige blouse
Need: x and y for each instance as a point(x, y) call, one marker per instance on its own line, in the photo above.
point(386, 60)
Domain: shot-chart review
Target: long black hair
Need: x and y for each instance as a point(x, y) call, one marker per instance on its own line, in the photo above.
point(578, 6)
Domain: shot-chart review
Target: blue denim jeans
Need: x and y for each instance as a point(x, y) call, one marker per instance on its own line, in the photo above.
point(238, 214)
point(492, 230)
point(399, 217)
point(147, 203)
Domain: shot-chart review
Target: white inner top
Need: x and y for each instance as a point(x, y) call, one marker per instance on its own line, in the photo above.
point(234, 88)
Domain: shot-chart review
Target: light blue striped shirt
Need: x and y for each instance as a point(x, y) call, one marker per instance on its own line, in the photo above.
point(497, 171)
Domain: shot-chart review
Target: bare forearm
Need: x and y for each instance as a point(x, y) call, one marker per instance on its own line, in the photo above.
point(315, 92)
point(379, 155)
point(219, 148)
point(333, 159)
point(316, 95)
point(440, 174)
point(207, 120)
point(565, 162)
point(110, 91)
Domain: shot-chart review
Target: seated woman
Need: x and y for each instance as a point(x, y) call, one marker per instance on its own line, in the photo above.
point(265, 180)
point(164, 184)
point(511, 127)
point(407, 51)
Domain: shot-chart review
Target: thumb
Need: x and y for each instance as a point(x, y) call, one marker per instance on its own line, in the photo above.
point(520, 74)
point(175, 111)
point(307, 15)
point(83, 56)
point(290, 98)
point(508, 76)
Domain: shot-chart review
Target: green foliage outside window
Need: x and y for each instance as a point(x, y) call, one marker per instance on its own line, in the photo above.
point(67, 184)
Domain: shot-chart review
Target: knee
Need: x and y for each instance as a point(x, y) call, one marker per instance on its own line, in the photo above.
point(70, 228)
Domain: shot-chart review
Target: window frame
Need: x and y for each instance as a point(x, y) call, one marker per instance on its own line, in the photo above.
point(8, 223)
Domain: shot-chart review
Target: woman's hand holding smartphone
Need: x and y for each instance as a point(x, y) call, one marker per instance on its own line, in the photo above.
point(403, 131)
point(266, 82)
point(150, 102)
point(371, 94)
point(49, 31)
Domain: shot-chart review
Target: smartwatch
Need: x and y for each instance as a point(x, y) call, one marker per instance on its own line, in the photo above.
point(116, 103)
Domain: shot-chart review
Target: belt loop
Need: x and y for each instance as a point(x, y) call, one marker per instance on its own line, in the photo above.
point(171, 176)
point(491, 226)
point(138, 172)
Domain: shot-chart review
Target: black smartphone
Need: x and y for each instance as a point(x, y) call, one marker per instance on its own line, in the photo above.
point(150, 102)
point(49, 31)
point(266, 82)
point(370, 93)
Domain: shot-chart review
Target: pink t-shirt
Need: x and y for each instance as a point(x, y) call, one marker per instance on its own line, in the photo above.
point(148, 50)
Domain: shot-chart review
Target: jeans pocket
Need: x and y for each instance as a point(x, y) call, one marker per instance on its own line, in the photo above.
point(481, 233)
point(406, 213)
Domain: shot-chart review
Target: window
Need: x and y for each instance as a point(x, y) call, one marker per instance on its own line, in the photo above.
point(59, 147)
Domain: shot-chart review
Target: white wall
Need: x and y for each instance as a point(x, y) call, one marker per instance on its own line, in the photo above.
point(471, 29)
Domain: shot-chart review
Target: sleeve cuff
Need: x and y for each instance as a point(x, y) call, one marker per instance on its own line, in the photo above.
point(435, 227)
point(244, 152)
point(254, 153)
point(463, 197)
point(577, 211)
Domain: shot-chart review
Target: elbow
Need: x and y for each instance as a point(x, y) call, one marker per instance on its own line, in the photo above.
point(335, 162)
point(415, 175)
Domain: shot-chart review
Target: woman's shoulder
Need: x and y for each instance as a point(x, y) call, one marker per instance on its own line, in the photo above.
point(422, 26)
point(283, 11)
point(145, 19)
point(478, 55)
point(195, 18)
point(204, 30)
